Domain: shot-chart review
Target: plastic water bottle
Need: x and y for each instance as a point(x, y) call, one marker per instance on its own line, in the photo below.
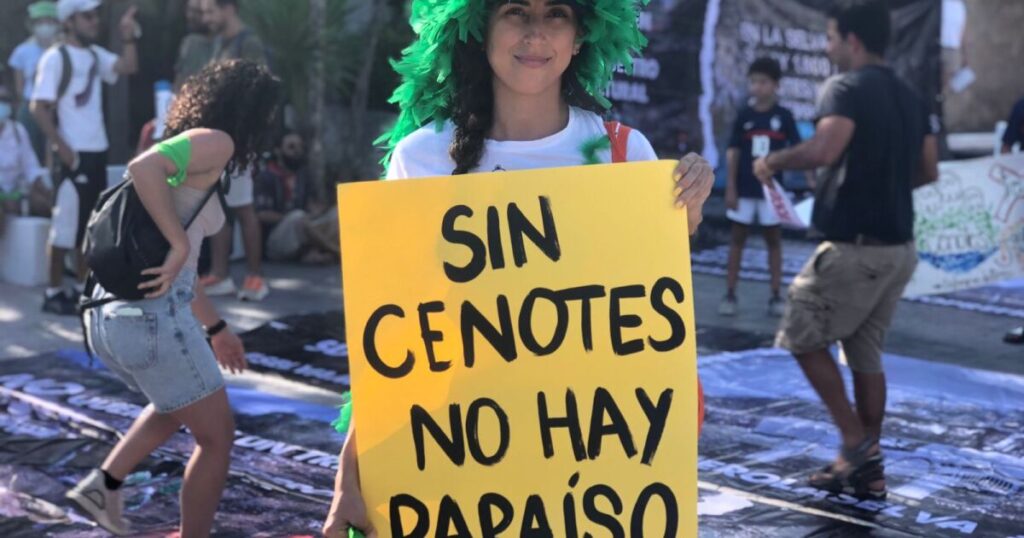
point(163, 95)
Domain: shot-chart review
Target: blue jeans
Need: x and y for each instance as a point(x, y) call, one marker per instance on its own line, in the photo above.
point(157, 347)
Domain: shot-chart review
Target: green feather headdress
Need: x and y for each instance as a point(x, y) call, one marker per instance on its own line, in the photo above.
point(611, 38)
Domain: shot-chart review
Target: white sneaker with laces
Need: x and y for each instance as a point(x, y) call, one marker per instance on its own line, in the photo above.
point(103, 505)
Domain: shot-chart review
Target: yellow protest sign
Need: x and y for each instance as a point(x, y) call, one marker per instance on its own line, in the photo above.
point(522, 353)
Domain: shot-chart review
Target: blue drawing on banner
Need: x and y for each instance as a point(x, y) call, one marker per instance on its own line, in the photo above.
point(959, 263)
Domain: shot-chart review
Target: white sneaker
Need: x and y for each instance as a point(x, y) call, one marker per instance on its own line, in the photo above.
point(224, 286)
point(103, 505)
point(254, 289)
point(727, 307)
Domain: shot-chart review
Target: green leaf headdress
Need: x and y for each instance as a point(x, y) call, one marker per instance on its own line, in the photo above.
point(611, 38)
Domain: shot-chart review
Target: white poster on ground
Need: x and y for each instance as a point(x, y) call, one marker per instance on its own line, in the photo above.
point(969, 226)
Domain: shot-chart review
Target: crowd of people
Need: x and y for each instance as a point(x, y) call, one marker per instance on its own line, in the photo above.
point(528, 77)
point(55, 148)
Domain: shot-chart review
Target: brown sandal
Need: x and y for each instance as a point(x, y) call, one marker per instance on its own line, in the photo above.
point(862, 469)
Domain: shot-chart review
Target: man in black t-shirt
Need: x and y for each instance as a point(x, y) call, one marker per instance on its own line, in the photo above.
point(874, 140)
point(760, 127)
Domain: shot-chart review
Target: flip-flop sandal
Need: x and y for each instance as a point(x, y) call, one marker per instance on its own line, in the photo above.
point(1016, 336)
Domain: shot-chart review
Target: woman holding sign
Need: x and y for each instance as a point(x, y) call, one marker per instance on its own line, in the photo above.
point(511, 85)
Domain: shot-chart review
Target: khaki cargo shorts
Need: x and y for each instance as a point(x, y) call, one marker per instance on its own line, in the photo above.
point(847, 293)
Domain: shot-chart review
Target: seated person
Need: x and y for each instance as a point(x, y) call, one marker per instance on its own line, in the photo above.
point(295, 225)
point(21, 177)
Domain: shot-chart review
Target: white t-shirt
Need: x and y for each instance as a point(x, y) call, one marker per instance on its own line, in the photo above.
point(18, 163)
point(82, 127)
point(424, 153)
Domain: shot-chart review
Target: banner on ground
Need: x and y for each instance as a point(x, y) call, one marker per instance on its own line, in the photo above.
point(522, 355)
point(970, 226)
point(59, 418)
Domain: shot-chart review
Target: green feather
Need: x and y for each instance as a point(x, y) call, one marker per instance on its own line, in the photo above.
point(344, 420)
point(590, 148)
point(611, 38)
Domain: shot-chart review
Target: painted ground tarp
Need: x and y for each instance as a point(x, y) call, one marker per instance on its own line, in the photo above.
point(58, 419)
point(306, 348)
point(954, 443)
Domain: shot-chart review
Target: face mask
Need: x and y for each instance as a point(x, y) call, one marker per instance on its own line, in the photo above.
point(293, 163)
point(5, 111)
point(45, 31)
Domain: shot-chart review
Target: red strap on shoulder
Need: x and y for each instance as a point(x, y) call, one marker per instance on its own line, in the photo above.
point(619, 136)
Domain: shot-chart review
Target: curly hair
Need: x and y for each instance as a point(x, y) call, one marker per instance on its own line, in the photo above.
point(440, 71)
point(238, 97)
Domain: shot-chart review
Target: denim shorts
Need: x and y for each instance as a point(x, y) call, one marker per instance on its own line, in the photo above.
point(157, 347)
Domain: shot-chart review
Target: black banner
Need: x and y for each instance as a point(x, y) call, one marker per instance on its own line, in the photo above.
point(662, 96)
point(687, 87)
point(307, 348)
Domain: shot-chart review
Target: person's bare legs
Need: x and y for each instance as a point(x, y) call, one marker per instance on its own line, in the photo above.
point(870, 393)
point(81, 267)
point(823, 373)
point(148, 432)
point(773, 240)
point(252, 238)
point(220, 251)
point(57, 255)
point(736, 245)
point(212, 424)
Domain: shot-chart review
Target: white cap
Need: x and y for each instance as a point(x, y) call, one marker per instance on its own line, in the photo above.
point(67, 8)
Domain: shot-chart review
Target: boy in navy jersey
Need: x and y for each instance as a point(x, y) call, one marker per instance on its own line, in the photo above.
point(761, 127)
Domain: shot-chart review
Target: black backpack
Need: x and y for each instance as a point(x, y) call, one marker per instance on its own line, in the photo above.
point(121, 241)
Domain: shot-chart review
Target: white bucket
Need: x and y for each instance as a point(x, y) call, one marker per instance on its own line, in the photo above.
point(23, 258)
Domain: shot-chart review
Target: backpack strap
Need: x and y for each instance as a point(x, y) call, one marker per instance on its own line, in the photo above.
point(618, 134)
point(65, 72)
point(85, 304)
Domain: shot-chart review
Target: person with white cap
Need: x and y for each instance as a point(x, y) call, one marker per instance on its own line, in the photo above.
point(67, 103)
point(42, 22)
